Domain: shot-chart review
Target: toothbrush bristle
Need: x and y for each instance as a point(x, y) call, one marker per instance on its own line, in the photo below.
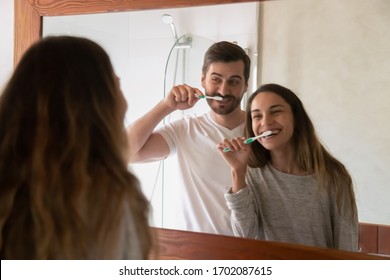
point(266, 133)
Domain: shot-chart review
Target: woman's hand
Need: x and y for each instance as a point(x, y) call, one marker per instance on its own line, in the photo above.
point(237, 158)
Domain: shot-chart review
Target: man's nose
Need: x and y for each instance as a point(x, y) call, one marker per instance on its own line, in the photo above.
point(223, 88)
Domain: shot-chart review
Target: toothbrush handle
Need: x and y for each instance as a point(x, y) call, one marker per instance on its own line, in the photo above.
point(247, 141)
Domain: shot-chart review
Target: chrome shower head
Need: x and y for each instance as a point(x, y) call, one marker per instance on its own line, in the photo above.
point(168, 19)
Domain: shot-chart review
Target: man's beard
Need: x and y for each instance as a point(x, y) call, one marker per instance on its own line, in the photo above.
point(222, 108)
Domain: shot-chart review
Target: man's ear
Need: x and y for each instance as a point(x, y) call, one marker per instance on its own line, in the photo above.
point(202, 80)
point(246, 89)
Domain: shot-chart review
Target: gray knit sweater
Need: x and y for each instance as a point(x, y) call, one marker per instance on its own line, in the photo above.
point(288, 208)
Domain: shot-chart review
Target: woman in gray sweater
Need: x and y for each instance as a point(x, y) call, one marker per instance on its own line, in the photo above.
point(286, 186)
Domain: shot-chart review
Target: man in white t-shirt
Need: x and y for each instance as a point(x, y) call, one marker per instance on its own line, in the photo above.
point(204, 174)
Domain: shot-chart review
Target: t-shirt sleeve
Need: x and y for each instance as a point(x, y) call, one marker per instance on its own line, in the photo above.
point(171, 132)
point(243, 217)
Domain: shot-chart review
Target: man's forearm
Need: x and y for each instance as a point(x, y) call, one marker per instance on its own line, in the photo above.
point(140, 130)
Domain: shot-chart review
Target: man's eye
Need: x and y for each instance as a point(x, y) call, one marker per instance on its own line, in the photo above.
point(234, 82)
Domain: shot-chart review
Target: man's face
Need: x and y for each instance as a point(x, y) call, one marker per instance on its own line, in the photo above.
point(225, 79)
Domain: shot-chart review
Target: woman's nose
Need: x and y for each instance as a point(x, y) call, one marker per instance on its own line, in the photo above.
point(267, 119)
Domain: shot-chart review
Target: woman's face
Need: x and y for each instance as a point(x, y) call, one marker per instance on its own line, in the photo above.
point(270, 111)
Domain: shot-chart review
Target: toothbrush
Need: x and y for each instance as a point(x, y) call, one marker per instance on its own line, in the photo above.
point(252, 139)
point(218, 98)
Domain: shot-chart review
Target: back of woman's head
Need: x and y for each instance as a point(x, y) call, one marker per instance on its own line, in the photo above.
point(63, 148)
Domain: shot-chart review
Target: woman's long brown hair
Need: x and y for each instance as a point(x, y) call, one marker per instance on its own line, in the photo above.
point(310, 154)
point(65, 187)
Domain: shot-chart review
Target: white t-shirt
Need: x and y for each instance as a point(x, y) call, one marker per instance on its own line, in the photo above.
point(204, 176)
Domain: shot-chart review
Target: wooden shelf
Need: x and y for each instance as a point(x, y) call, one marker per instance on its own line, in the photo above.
point(184, 245)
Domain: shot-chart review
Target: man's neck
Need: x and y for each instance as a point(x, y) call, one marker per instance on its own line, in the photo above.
point(230, 121)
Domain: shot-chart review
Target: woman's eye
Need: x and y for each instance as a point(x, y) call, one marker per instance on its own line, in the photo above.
point(276, 111)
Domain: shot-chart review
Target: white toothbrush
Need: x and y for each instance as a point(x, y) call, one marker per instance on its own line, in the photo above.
point(218, 98)
point(252, 139)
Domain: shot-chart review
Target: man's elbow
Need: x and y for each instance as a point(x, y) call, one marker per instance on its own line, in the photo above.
point(143, 158)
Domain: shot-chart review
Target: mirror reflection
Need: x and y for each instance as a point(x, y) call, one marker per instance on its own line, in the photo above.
point(151, 52)
point(334, 54)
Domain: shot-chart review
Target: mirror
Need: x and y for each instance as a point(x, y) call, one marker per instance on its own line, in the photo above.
point(155, 56)
point(153, 50)
point(334, 54)
point(29, 14)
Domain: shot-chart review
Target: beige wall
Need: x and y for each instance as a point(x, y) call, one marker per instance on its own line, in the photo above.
point(336, 55)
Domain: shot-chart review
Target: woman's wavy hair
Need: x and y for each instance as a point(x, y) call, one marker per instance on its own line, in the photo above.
point(65, 187)
point(310, 154)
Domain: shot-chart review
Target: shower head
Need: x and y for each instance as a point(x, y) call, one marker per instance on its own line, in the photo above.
point(168, 19)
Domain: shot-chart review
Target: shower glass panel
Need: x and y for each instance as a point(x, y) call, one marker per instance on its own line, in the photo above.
point(183, 66)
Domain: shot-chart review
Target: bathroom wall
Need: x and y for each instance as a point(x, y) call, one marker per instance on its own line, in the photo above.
point(7, 40)
point(336, 56)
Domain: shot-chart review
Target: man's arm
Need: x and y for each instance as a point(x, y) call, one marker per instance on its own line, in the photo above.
point(146, 145)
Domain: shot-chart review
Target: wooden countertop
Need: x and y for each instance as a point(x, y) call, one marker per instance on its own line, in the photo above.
point(185, 245)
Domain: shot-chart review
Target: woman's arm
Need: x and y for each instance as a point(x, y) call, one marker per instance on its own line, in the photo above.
point(244, 218)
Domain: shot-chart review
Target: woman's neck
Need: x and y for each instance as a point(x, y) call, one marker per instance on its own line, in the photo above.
point(284, 161)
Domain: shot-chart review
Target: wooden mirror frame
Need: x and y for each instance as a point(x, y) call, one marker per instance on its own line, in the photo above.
point(28, 21)
point(28, 13)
